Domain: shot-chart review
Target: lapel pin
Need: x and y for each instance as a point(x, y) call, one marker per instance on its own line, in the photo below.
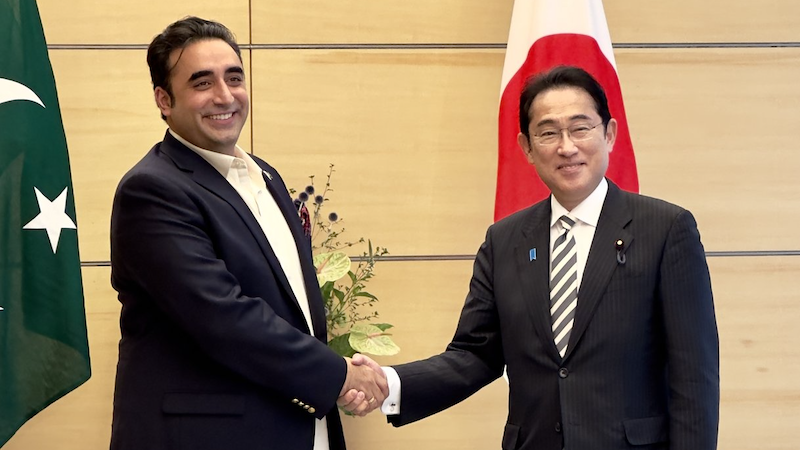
point(619, 244)
point(532, 254)
point(268, 175)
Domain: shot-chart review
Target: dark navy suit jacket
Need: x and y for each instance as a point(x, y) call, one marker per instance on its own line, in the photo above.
point(642, 366)
point(215, 351)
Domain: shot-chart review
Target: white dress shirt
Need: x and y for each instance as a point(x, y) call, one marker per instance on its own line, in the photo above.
point(247, 179)
point(586, 215)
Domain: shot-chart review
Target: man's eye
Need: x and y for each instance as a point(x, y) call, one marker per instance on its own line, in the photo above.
point(548, 133)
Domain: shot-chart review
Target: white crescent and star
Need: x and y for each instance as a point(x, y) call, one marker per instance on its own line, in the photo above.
point(52, 216)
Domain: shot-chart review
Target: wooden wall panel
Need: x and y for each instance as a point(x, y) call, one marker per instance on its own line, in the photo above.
point(450, 21)
point(111, 121)
point(123, 22)
point(713, 131)
point(380, 21)
point(475, 21)
point(82, 419)
point(412, 135)
point(757, 313)
point(709, 21)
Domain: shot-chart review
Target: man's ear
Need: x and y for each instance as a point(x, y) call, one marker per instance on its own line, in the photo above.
point(611, 133)
point(525, 145)
point(163, 101)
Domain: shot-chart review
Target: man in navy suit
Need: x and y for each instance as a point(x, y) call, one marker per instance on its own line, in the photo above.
point(223, 326)
point(617, 346)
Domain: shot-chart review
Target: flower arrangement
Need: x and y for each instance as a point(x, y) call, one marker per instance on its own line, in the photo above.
point(349, 307)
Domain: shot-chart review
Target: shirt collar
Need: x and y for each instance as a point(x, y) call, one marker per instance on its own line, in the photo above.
point(587, 211)
point(219, 161)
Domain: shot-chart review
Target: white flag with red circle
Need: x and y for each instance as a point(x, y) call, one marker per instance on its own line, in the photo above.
point(545, 34)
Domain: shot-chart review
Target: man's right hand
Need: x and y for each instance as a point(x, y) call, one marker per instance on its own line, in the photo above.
point(365, 388)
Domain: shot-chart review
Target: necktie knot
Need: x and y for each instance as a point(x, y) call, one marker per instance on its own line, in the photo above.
point(567, 222)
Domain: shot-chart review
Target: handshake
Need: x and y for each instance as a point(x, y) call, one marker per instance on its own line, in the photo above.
point(365, 387)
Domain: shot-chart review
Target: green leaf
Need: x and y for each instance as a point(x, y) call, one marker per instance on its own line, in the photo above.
point(353, 278)
point(365, 294)
point(371, 339)
point(331, 266)
point(341, 345)
point(339, 294)
point(383, 326)
point(326, 290)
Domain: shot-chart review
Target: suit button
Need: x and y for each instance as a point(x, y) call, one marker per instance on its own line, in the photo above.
point(558, 427)
point(300, 404)
point(312, 410)
point(306, 407)
point(294, 400)
point(563, 372)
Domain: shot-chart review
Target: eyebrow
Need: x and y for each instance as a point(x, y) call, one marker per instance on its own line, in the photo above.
point(571, 118)
point(205, 73)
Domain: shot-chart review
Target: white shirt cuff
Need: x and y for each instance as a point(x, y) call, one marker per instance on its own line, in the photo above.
point(391, 406)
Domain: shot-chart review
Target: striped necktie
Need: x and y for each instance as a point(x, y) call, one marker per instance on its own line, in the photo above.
point(563, 285)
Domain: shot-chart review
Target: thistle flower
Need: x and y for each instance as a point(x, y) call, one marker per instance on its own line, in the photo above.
point(303, 197)
point(318, 199)
point(310, 190)
point(333, 217)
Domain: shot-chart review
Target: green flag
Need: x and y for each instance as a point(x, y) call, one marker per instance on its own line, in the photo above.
point(44, 352)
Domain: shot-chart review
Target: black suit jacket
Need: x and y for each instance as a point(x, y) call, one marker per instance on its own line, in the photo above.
point(642, 366)
point(215, 351)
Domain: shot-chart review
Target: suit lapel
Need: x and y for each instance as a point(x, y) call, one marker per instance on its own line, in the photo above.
point(534, 275)
point(601, 261)
point(208, 177)
point(279, 192)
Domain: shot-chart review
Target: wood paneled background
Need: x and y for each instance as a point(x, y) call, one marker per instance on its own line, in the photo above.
point(377, 88)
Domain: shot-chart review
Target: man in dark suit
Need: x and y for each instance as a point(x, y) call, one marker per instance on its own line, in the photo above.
point(223, 326)
point(616, 347)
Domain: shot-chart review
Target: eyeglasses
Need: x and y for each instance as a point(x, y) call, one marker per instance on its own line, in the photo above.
point(577, 133)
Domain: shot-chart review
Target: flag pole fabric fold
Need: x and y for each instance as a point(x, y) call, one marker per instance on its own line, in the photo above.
point(545, 34)
point(44, 352)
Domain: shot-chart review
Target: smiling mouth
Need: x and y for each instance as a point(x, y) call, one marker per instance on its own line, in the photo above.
point(221, 116)
point(570, 166)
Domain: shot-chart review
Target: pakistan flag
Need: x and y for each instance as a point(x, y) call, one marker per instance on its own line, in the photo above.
point(44, 352)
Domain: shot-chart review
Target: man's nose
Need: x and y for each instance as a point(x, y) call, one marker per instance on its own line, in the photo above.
point(222, 94)
point(567, 146)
